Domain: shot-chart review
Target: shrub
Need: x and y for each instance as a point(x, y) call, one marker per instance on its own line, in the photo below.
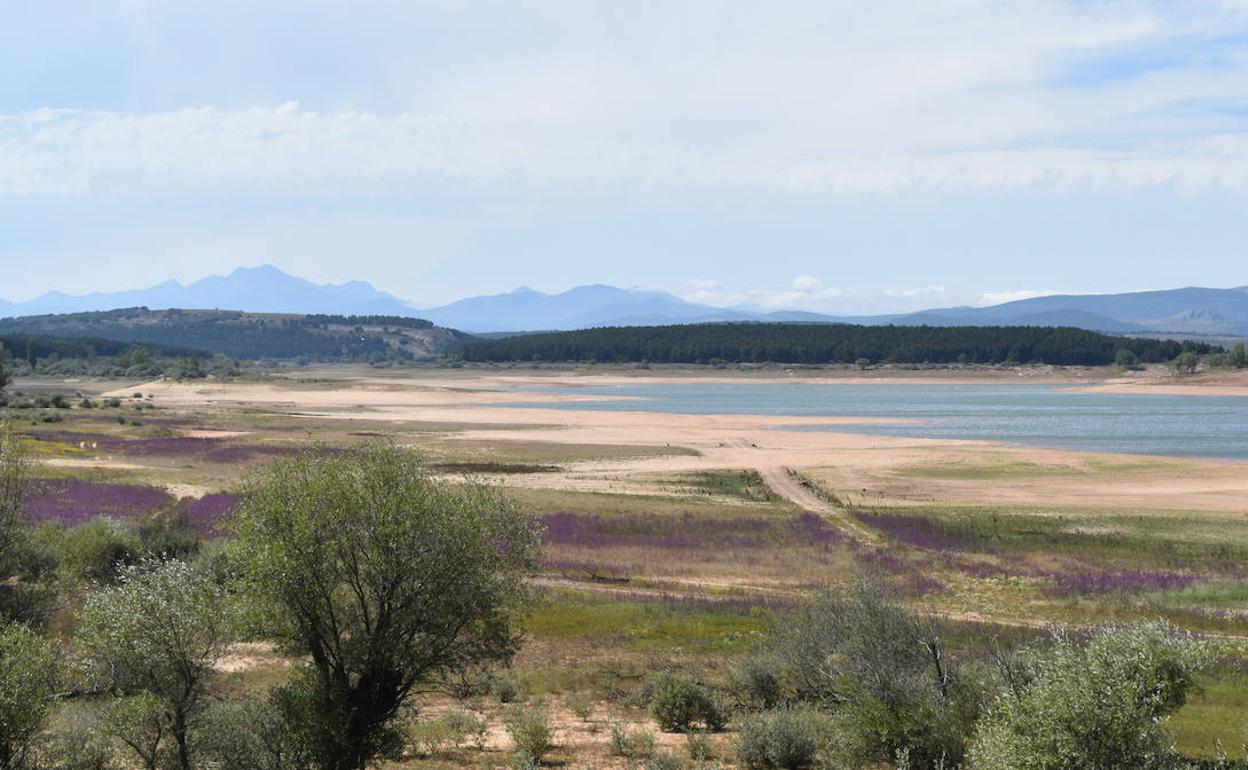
point(531, 732)
point(461, 725)
point(698, 746)
point(431, 737)
point(506, 689)
point(889, 675)
point(632, 743)
point(96, 550)
point(27, 683)
point(664, 760)
point(78, 740)
point(249, 734)
point(1095, 706)
point(679, 703)
point(784, 739)
point(757, 682)
point(580, 704)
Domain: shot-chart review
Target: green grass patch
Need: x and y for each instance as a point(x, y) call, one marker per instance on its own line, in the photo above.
point(647, 626)
point(1136, 538)
point(1215, 717)
point(745, 485)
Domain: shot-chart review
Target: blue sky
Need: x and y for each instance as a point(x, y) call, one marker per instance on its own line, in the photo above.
point(841, 157)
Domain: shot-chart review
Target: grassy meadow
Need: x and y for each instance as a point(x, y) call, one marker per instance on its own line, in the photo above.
point(684, 570)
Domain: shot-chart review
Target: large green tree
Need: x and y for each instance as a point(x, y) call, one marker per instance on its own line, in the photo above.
point(5, 378)
point(386, 580)
point(160, 632)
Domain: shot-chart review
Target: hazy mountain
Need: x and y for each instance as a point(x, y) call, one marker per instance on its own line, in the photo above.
point(264, 289)
point(1189, 311)
point(576, 308)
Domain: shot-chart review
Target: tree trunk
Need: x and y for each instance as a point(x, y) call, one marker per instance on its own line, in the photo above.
point(180, 736)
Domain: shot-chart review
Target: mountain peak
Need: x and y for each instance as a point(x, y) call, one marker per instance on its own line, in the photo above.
point(261, 289)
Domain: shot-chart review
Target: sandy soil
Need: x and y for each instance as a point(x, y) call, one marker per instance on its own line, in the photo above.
point(866, 469)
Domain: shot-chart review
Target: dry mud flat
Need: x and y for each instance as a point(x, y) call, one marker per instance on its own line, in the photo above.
point(879, 469)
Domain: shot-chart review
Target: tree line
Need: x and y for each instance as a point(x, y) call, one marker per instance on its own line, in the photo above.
point(243, 336)
point(827, 344)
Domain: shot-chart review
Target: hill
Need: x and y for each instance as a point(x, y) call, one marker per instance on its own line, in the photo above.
point(252, 336)
point(263, 289)
point(1189, 311)
point(822, 344)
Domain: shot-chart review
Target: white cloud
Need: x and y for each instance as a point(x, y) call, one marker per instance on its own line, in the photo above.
point(807, 96)
point(812, 295)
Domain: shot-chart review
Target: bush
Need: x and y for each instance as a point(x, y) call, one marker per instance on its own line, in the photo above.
point(757, 682)
point(698, 746)
point(531, 732)
point(457, 726)
point(78, 740)
point(506, 689)
point(1095, 706)
point(679, 703)
point(894, 685)
point(27, 683)
point(251, 734)
point(96, 550)
point(664, 760)
point(784, 739)
point(431, 737)
point(632, 743)
point(580, 704)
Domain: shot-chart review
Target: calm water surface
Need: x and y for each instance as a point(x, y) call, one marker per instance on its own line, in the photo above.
point(1035, 415)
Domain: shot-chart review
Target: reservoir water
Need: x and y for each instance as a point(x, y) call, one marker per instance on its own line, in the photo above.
point(1035, 415)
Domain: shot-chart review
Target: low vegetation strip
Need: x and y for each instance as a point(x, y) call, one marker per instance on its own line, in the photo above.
point(826, 343)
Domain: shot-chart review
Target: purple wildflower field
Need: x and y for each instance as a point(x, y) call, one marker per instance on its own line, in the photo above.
point(210, 449)
point(71, 502)
point(205, 514)
point(916, 531)
point(1078, 582)
point(688, 531)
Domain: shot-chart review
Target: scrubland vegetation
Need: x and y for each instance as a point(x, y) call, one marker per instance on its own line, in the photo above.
point(236, 588)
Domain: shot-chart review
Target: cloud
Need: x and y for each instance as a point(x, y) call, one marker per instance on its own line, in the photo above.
point(810, 294)
point(812, 97)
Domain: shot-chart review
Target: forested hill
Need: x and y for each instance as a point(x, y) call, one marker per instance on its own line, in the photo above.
point(254, 336)
point(822, 344)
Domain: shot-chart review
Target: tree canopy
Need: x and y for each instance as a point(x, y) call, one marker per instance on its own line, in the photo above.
point(826, 343)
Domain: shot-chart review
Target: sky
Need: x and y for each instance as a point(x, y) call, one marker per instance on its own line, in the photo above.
point(842, 157)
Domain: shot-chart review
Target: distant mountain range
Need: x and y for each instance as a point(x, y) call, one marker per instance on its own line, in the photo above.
point(264, 289)
point(1189, 311)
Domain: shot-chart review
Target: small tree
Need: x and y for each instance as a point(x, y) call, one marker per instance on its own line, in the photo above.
point(1238, 357)
point(886, 674)
point(27, 679)
point(1126, 359)
point(1186, 362)
point(1095, 706)
point(388, 581)
point(160, 631)
point(5, 377)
